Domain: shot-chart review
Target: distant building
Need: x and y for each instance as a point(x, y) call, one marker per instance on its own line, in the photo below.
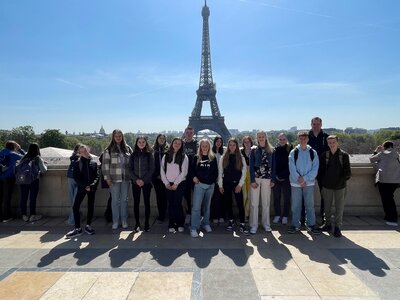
point(102, 131)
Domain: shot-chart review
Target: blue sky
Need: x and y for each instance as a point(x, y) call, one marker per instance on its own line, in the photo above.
point(135, 65)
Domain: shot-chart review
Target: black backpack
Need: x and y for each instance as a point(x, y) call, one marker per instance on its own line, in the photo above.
point(26, 171)
point(296, 154)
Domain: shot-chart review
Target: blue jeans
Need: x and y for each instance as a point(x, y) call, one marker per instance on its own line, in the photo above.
point(308, 194)
point(201, 202)
point(119, 202)
point(72, 191)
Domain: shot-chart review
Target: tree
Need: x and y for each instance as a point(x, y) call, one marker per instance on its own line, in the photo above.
point(52, 138)
point(23, 135)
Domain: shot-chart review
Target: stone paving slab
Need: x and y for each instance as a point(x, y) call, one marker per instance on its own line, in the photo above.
point(363, 264)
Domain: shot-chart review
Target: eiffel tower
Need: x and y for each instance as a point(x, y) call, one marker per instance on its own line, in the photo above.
point(207, 90)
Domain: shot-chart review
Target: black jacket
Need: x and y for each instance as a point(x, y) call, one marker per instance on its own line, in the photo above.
point(141, 166)
point(86, 174)
point(333, 170)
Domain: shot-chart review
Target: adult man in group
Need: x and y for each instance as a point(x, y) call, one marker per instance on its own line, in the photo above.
point(317, 139)
point(303, 167)
point(334, 171)
point(190, 146)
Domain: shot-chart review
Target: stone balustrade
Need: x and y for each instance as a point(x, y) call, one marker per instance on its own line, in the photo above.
point(362, 196)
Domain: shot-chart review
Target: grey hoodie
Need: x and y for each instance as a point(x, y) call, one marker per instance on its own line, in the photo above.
point(388, 166)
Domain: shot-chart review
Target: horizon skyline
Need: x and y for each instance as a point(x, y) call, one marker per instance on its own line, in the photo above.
point(132, 66)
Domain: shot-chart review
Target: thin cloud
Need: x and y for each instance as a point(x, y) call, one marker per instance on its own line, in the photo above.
point(70, 83)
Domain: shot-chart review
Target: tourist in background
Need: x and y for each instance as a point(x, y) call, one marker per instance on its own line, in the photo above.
point(8, 159)
point(72, 186)
point(141, 166)
point(387, 178)
point(245, 150)
point(334, 171)
point(159, 148)
point(190, 146)
point(31, 190)
point(260, 178)
point(231, 176)
point(280, 178)
point(115, 168)
point(217, 210)
point(205, 174)
point(86, 175)
point(174, 168)
point(303, 167)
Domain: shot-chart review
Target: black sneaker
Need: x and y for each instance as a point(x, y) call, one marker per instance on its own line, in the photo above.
point(293, 230)
point(146, 227)
point(230, 225)
point(89, 230)
point(326, 227)
point(243, 229)
point(337, 232)
point(74, 233)
point(313, 230)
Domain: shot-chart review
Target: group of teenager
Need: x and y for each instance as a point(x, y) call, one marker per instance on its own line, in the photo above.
point(196, 181)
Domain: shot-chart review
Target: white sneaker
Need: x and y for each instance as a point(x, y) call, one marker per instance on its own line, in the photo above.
point(193, 233)
point(284, 220)
point(253, 230)
point(34, 218)
point(114, 226)
point(215, 221)
point(187, 219)
point(267, 228)
point(124, 224)
point(181, 229)
point(221, 221)
point(276, 219)
point(171, 230)
point(25, 218)
point(207, 228)
point(392, 223)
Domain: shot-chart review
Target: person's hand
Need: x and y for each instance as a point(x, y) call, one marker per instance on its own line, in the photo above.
point(254, 185)
point(238, 189)
point(174, 187)
point(87, 188)
point(272, 184)
point(109, 182)
point(221, 190)
point(196, 180)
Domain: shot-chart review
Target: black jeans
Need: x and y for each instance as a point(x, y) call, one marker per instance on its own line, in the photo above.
point(282, 187)
point(159, 188)
point(217, 205)
point(175, 209)
point(6, 191)
point(32, 191)
point(77, 204)
point(136, 190)
point(386, 190)
point(229, 187)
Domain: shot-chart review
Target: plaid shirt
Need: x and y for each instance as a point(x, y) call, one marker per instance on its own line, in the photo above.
point(113, 168)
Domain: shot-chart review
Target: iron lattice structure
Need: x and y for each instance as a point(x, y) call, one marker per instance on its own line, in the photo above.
point(207, 90)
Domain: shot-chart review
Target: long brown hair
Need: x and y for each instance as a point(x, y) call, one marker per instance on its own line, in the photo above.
point(112, 147)
point(238, 155)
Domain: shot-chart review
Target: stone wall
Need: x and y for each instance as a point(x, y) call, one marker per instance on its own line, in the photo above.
point(362, 196)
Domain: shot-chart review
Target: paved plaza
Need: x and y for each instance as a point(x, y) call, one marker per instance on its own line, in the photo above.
point(37, 262)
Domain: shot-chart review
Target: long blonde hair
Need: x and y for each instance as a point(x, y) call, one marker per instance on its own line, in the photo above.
point(210, 153)
point(268, 147)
